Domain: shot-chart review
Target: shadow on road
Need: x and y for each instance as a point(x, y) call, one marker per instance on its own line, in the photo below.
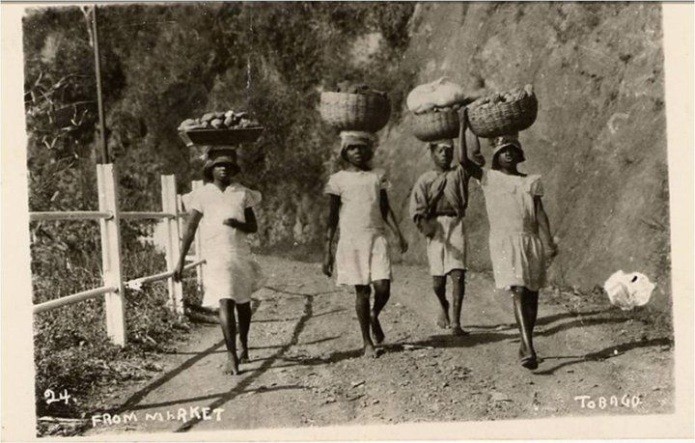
point(259, 390)
point(542, 320)
point(606, 353)
point(245, 382)
point(481, 335)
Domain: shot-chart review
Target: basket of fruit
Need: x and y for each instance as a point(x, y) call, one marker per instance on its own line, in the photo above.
point(505, 113)
point(220, 128)
point(356, 108)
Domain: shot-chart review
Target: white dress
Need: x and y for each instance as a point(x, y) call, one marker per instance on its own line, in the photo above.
point(230, 271)
point(516, 250)
point(362, 256)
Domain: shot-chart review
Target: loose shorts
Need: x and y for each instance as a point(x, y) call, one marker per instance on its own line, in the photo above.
point(446, 251)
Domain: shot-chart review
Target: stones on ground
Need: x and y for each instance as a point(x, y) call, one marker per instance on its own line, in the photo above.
point(499, 397)
point(357, 383)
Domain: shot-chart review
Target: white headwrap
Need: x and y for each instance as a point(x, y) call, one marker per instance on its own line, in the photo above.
point(348, 138)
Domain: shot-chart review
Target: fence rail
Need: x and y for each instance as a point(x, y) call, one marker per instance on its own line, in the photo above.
point(109, 218)
point(69, 215)
point(70, 299)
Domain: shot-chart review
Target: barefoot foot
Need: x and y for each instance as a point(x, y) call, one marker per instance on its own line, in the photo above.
point(232, 366)
point(244, 356)
point(377, 332)
point(458, 331)
point(528, 360)
point(443, 318)
point(369, 352)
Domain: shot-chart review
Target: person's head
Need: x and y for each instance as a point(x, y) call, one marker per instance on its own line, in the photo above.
point(507, 153)
point(357, 148)
point(442, 153)
point(221, 166)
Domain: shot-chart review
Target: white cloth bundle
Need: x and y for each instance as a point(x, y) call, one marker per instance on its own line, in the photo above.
point(628, 290)
point(438, 94)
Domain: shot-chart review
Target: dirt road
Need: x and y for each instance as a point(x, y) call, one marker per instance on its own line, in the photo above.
point(305, 369)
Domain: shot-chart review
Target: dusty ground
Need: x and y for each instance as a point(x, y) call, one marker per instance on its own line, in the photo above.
point(305, 369)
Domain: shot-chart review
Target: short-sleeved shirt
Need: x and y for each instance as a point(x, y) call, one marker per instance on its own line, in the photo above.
point(359, 193)
point(510, 201)
point(217, 206)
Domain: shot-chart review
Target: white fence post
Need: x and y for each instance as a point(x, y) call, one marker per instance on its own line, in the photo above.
point(111, 253)
point(195, 184)
point(173, 249)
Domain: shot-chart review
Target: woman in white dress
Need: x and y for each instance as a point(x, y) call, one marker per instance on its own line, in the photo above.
point(359, 207)
point(520, 239)
point(224, 211)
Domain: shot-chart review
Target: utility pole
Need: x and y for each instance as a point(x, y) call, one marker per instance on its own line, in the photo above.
point(97, 65)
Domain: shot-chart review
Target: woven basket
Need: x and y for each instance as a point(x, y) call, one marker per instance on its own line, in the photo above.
point(514, 115)
point(220, 137)
point(433, 126)
point(355, 112)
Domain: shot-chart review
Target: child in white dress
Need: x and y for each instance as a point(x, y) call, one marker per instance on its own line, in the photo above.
point(520, 239)
point(359, 203)
point(224, 211)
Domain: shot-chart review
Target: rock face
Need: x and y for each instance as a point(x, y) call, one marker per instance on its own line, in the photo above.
point(599, 140)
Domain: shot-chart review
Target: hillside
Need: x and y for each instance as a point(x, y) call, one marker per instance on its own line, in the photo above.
point(599, 140)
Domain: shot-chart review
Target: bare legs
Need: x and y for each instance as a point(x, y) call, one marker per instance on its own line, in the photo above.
point(362, 308)
point(369, 318)
point(244, 314)
point(382, 293)
point(439, 286)
point(229, 330)
point(526, 313)
point(458, 279)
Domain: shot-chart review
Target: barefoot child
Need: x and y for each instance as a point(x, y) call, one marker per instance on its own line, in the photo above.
point(519, 233)
point(224, 209)
point(359, 203)
point(437, 206)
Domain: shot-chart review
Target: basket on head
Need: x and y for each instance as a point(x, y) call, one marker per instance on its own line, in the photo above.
point(220, 137)
point(433, 126)
point(501, 114)
point(357, 112)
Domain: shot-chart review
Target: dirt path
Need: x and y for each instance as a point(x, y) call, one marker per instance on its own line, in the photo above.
point(305, 369)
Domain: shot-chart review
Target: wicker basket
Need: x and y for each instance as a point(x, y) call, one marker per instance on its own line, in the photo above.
point(490, 120)
point(433, 126)
point(356, 112)
point(220, 137)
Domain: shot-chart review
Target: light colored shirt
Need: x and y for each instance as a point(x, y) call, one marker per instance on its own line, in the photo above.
point(359, 193)
point(509, 202)
point(217, 206)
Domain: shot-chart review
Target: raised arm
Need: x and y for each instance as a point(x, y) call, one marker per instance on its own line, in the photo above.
point(331, 227)
point(466, 137)
point(189, 234)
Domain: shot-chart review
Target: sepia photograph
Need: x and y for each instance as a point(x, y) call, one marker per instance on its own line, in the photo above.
point(267, 216)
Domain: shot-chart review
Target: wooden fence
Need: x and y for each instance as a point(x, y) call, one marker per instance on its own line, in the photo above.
point(109, 217)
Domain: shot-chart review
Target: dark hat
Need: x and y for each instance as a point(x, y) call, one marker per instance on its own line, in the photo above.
point(219, 157)
point(505, 141)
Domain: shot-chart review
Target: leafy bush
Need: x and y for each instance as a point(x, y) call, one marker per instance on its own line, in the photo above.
point(160, 65)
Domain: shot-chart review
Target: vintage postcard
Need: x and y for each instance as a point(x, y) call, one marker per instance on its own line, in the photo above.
point(347, 220)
